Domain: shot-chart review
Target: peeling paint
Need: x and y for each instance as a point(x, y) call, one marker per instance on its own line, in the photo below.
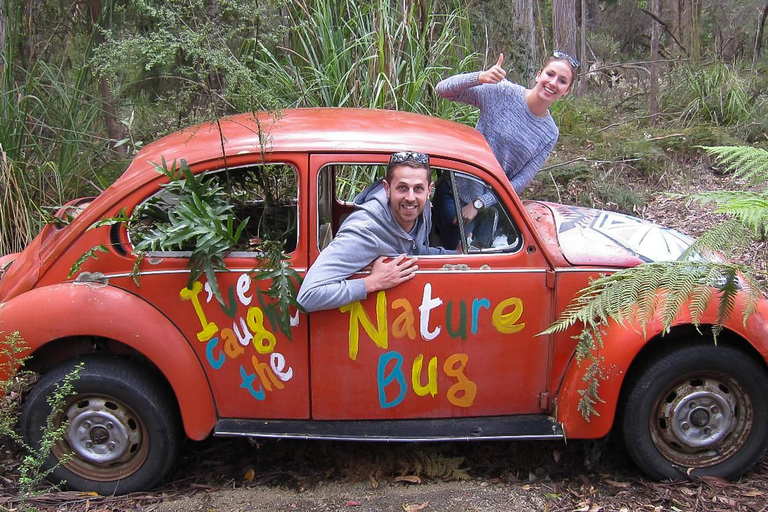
point(96, 279)
point(451, 267)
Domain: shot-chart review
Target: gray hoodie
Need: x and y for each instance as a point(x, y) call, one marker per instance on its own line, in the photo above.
point(369, 232)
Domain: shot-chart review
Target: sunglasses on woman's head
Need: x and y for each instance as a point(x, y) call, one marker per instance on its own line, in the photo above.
point(562, 55)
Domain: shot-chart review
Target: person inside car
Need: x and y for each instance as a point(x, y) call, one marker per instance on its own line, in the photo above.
point(391, 219)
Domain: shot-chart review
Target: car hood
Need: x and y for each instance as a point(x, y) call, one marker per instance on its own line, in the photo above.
point(587, 236)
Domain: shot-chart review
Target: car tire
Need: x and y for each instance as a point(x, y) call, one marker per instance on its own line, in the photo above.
point(123, 430)
point(698, 410)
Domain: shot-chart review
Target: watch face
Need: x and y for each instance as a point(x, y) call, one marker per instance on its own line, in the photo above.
point(478, 204)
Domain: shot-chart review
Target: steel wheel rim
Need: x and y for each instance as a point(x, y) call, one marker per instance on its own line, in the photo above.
point(701, 419)
point(106, 438)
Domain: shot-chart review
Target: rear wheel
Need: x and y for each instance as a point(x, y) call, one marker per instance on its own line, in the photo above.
point(122, 428)
point(698, 410)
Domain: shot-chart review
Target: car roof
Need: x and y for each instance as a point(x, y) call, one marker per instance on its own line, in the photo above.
point(317, 130)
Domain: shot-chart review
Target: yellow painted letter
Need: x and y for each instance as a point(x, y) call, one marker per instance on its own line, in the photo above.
point(431, 386)
point(506, 323)
point(209, 328)
point(358, 317)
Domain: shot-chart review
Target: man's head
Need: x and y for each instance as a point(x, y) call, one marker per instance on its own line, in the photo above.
point(408, 185)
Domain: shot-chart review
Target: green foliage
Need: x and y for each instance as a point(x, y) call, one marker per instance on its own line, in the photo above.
point(283, 288)
point(193, 215)
point(33, 475)
point(663, 291)
point(188, 59)
point(719, 94)
point(91, 253)
point(13, 381)
point(373, 53)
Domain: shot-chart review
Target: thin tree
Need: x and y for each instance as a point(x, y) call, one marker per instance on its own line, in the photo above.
point(759, 36)
point(564, 26)
point(654, 86)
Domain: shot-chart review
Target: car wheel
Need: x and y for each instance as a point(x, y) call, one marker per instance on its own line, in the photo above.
point(122, 427)
point(700, 410)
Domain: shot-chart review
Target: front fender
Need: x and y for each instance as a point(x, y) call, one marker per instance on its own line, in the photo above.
point(622, 344)
point(66, 310)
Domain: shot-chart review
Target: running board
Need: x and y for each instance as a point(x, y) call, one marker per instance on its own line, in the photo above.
point(453, 429)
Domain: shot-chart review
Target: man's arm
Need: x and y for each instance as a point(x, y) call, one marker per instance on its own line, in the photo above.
point(326, 285)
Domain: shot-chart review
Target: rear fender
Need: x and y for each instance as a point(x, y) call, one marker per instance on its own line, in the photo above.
point(70, 310)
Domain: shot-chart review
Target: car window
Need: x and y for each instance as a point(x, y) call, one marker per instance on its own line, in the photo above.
point(339, 183)
point(493, 230)
point(266, 195)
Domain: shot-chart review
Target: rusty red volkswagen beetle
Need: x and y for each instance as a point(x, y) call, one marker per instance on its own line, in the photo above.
point(453, 354)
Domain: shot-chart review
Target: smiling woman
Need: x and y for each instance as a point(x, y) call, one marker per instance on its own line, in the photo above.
point(516, 124)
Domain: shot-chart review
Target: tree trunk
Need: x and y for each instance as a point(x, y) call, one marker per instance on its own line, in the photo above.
point(564, 26)
point(578, 86)
point(759, 36)
point(694, 12)
point(115, 130)
point(523, 11)
point(654, 88)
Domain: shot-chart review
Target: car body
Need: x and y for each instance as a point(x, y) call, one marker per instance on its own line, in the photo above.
point(455, 353)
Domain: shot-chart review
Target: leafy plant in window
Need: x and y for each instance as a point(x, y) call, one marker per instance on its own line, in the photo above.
point(199, 214)
point(664, 290)
point(192, 214)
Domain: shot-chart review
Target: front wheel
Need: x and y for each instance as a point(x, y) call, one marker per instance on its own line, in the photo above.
point(122, 428)
point(699, 410)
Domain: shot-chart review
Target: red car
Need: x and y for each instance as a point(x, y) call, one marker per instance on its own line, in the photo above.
point(453, 354)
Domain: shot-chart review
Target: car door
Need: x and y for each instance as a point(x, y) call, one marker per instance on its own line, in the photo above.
point(460, 339)
point(255, 369)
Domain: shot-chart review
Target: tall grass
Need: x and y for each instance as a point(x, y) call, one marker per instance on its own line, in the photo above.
point(51, 149)
point(370, 53)
point(719, 94)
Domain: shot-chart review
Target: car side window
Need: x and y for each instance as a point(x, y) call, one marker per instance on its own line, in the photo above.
point(266, 195)
point(492, 230)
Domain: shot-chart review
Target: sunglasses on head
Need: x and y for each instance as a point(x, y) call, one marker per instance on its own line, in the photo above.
point(562, 55)
point(402, 156)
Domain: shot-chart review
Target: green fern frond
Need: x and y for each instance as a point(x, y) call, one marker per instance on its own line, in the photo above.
point(725, 237)
point(743, 161)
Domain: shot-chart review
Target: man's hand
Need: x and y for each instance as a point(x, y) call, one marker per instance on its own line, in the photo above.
point(386, 275)
point(494, 74)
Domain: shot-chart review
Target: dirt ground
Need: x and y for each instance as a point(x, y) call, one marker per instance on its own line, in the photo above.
point(231, 475)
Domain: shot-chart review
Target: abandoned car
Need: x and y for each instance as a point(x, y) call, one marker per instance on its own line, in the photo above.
point(454, 354)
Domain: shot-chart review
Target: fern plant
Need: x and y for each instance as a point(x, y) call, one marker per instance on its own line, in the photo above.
point(193, 214)
point(662, 291)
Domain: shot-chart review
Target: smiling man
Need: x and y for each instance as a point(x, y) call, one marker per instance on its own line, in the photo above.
point(392, 219)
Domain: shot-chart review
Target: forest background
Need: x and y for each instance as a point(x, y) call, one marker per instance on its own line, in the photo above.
point(86, 83)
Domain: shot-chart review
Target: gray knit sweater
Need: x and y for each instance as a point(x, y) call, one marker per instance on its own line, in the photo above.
point(520, 140)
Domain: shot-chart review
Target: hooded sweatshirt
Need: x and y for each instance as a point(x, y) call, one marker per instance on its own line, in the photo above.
point(370, 231)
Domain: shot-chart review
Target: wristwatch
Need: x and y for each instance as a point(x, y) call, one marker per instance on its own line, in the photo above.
point(478, 204)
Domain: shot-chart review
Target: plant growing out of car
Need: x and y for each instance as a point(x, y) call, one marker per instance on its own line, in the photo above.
point(198, 214)
point(664, 290)
point(191, 215)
